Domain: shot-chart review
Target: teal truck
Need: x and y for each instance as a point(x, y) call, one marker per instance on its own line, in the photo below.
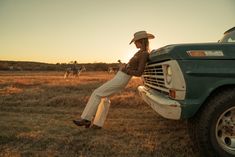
point(196, 82)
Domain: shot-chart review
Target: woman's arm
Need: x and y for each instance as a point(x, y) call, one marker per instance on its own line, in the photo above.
point(143, 58)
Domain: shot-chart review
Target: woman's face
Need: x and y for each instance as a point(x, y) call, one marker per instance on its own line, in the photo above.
point(138, 44)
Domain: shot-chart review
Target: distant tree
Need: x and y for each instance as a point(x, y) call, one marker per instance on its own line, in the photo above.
point(4, 66)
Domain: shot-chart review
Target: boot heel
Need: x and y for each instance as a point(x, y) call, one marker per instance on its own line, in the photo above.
point(87, 125)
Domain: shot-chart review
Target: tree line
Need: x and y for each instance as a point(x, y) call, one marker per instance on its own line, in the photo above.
point(37, 66)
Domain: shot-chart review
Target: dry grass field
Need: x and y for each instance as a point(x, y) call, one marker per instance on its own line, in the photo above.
point(37, 109)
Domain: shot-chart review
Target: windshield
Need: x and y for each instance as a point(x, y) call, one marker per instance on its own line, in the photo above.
point(228, 38)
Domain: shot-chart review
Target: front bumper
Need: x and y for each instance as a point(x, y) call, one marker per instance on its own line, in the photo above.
point(164, 106)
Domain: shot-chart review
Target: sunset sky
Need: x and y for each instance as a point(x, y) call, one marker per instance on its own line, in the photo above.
point(91, 31)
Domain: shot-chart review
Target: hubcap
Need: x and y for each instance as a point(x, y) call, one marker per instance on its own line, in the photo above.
point(225, 130)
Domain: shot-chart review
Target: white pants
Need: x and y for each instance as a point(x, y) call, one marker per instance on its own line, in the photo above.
point(96, 107)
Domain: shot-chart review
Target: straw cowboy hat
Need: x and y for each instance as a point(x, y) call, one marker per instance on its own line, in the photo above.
point(141, 35)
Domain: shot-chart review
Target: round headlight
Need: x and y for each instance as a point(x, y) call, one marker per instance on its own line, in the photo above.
point(168, 74)
point(169, 71)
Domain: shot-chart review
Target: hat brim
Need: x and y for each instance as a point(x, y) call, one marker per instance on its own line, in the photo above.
point(149, 36)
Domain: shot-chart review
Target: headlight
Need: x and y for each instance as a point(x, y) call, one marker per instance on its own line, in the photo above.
point(168, 74)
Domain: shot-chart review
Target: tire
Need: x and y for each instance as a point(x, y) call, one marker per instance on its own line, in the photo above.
point(212, 129)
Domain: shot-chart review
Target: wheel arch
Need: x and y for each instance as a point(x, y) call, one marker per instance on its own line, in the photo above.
point(214, 92)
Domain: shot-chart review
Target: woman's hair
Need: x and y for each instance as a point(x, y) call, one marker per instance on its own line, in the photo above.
point(145, 44)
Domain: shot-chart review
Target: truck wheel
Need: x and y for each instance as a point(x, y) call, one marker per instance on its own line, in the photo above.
point(213, 128)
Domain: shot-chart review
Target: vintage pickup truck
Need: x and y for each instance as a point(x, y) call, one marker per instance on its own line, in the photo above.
point(196, 82)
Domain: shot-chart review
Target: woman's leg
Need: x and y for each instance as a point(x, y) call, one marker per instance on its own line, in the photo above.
point(114, 85)
point(102, 112)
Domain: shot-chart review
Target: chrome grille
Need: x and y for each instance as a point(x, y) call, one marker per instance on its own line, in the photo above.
point(154, 78)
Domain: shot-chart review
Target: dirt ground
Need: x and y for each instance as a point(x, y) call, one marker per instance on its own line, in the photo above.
point(37, 109)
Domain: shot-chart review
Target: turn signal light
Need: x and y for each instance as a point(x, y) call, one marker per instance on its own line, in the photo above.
point(196, 53)
point(172, 93)
point(203, 53)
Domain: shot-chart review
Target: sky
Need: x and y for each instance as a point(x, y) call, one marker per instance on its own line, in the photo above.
point(89, 31)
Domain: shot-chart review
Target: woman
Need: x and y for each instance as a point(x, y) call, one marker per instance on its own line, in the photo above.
point(135, 67)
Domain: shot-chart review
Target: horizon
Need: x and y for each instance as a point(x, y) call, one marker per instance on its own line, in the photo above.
point(57, 31)
point(58, 62)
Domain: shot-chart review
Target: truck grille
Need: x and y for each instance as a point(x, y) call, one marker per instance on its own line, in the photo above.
point(154, 78)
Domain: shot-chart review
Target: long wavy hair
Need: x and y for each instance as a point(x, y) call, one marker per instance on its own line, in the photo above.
point(145, 44)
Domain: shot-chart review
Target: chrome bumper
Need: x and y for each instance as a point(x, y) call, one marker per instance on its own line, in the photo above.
point(164, 106)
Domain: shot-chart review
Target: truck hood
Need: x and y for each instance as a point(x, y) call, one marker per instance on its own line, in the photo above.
point(179, 51)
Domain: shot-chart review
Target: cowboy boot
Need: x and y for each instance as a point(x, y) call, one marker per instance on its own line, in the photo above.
point(82, 122)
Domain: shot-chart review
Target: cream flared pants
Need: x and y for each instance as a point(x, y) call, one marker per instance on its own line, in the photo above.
point(98, 103)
